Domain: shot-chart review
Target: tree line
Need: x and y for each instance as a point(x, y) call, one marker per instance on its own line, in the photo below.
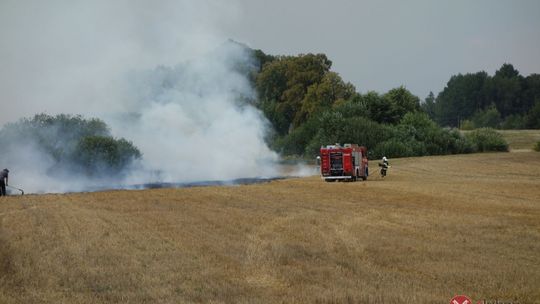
point(309, 105)
point(506, 100)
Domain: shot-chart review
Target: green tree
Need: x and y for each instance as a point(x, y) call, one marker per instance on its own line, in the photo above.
point(380, 109)
point(462, 96)
point(532, 119)
point(101, 155)
point(399, 102)
point(323, 95)
point(531, 91)
point(71, 142)
point(353, 107)
point(489, 117)
point(506, 91)
point(507, 70)
point(365, 132)
point(285, 82)
point(428, 105)
point(513, 121)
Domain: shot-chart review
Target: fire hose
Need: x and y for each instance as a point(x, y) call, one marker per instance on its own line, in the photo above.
point(22, 191)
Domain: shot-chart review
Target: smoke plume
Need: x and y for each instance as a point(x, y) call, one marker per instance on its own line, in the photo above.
point(159, 73)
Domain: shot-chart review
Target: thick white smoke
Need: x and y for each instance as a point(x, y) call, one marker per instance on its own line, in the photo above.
point(159, 73)
point(192, 122)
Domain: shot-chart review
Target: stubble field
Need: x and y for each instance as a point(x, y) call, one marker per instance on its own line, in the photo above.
point(434, 228)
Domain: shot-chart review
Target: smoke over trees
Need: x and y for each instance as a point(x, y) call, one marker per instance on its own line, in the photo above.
point(71, 145)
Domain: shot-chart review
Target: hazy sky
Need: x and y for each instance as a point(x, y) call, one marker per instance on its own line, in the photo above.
point(378, 45)
point(72, 56)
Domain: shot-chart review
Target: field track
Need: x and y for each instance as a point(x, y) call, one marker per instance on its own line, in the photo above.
point(434, 228)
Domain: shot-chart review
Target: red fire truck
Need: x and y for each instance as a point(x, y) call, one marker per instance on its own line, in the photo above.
point(347, 162)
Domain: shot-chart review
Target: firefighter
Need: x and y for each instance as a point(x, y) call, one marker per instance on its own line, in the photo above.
point(3, 181)
point(384, 166)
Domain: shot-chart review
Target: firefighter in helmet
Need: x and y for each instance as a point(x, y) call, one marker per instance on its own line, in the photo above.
point(3, 181)
point(384, 166)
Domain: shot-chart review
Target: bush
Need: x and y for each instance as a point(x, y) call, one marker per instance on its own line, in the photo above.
point(355, 130)
point(415, 135)
point(100, 155)
point(419, 120)
point(537, 146)
point(489, 117)
point(392, 148)
point(513, 122)
point(467, 125)
point(365, 132)
point(355, 107)
point(55, 135)
point(295, 142)
point(532, 120)
point(315, 144)
point(487, 139)
point(459, 144)
point(70, 144)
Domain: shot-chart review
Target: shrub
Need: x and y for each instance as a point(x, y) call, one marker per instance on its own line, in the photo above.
point(419, 120)
point(295, 142)
point(56, 135)
point(70, 144)
point(487, 139)
point(532, 119)
point(467, 125)
point(365, 132)
point(356, 130)
point(353, 108)
point(315, 144)
point(514, 121)
point(537, 146)
point(392, 148)
point(100, 155)
point(489, 117)
point(459, 143)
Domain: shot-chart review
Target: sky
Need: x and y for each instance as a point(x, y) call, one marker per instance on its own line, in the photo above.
point(380, 45)
point(73, 56)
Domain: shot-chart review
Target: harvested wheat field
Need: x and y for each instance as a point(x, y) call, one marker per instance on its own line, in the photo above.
point(521, 140)
point(434, 228)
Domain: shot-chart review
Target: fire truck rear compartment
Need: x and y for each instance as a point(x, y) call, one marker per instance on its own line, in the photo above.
point(336, 164)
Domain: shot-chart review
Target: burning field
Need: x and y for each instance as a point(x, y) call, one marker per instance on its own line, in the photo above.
point(434, 228)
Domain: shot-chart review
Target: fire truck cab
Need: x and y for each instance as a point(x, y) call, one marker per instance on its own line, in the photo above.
point(347, 162)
